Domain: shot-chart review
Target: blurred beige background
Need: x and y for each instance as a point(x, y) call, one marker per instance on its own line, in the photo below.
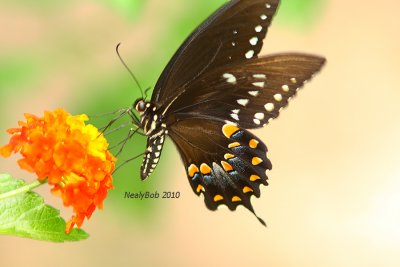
point(334, 194)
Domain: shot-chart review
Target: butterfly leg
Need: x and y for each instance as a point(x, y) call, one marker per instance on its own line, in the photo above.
point(131, 133)
point(134, 118)
point(118, 128)
point(113, 120)
point(127, 161)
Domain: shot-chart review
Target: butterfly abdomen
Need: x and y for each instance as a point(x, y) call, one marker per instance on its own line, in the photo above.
point(155, 129)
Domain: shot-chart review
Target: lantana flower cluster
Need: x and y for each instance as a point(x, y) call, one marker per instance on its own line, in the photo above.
point(73, 157)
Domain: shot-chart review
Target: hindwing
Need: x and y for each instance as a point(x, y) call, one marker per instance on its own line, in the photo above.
point(223, 162)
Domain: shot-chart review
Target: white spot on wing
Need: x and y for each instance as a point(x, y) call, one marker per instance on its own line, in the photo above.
point(258, 28)
point(243, 102)
point(278, 97)
point(256, 121)
point(254, 93)
point(285, 88)
point(229, 78)
point(293, 80)
point(259, 84)
point(268, 6)
point(269, 107)
point(236, 111)
point(259, 116)
point(250, 54)
point(235, 116)
point(260, 76)
point(263, 17)
point(253, 40)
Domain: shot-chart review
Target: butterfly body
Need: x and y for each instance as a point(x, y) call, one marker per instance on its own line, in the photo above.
point(151, 121)
point(215, 88)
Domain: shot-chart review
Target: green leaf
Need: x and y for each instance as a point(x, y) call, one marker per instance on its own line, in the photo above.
point(26, 215)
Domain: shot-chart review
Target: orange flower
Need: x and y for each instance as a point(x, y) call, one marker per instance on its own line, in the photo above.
point(71, 155)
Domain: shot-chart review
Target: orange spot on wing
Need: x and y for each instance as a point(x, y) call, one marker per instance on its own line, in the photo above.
point(247, 189)
point(235, 144)
point(253, 143)
point(228, 156)
point(236, 199)
point(218, 198)
point(229, 129)
point(254, 178)
point(256, 160)
point(205, 169)
point(227, 167)
point(192, 170)
point(200, 188)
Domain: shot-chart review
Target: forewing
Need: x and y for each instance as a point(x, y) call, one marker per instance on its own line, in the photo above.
point(223, 162)
point(248, 93)
point(234, 33)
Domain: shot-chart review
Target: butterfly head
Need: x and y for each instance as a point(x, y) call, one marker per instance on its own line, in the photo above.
point(140, 105)
point(150, 120)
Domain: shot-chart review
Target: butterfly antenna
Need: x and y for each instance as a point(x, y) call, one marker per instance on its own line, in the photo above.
point(130, 72)
point(146, 91)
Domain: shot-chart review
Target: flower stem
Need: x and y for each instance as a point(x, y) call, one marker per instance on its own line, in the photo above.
point(21, 190)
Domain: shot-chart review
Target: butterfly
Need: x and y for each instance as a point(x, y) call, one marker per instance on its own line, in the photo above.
point(211, 92)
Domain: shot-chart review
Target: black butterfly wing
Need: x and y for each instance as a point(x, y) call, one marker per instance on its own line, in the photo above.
point(224, 163)
point(215, 87)
point(234, 33)
point(247, 93)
